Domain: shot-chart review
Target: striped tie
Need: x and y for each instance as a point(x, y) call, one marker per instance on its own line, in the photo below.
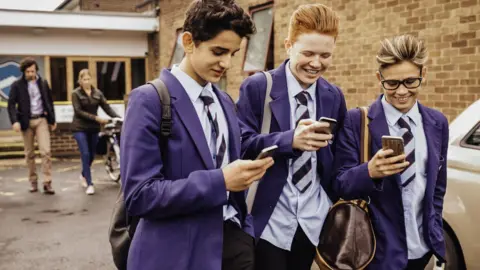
point(408, 175)
point(217, 137)
point(302, 165)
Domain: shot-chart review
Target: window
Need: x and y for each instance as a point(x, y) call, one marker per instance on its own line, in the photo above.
point(178, 52)
point(138, 72)
point(260, 45)
point(472, 140)
point(111, 79)
point(58, 73)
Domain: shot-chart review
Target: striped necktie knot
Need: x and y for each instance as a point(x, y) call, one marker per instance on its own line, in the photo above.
point(408, 175)
point(302, 98)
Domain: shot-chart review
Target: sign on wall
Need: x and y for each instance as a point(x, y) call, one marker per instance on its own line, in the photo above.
point(64, 113)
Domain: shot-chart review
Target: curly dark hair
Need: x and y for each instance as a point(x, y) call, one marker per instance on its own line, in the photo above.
point(28, 62)
point(205, 19)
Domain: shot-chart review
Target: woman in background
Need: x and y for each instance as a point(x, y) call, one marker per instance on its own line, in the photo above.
point(86, 123)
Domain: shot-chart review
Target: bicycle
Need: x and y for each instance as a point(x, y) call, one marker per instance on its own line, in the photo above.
point(111, 157)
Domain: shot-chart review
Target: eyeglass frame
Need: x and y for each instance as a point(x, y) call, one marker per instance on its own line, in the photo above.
point(400, 82)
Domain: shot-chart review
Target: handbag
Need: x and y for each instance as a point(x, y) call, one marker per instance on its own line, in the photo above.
point(347, 240)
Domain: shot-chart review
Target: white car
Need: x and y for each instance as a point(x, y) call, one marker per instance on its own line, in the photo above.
point(461, 210)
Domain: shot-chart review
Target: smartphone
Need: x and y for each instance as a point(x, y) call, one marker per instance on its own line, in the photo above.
point(395, 143)
point(331, 121)
point(267, 152)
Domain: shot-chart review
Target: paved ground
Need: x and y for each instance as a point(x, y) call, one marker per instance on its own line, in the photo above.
point(65, 231)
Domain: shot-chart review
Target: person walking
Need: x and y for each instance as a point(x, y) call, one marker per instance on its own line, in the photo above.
point(86, 123)
point(31, 112)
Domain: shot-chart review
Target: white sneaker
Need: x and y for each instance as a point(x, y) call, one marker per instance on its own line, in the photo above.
point(90, 190)
point(83, 181)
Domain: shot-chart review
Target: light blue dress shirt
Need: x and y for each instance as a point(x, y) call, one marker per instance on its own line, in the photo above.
point(412, 194)
point(194, 90)
point(36, 104)
point(308, 209)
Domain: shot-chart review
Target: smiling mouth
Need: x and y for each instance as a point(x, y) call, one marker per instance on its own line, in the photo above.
point(403, 99)
point(312, 71)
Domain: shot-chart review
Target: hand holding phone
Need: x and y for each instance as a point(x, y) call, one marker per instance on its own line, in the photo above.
point(393, 142)
point(389, 160)
point(331, 121)
point(267, 152)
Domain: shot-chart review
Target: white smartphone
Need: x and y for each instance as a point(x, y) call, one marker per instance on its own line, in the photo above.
point(267, 152)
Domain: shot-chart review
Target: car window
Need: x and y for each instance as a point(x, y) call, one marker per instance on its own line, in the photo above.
point(473, 138)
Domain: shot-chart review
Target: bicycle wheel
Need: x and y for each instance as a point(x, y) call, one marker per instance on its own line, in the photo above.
point(112, 164)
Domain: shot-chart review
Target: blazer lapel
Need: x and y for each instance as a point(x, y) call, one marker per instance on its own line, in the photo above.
point(188, 116)
point(324, 100)
point(232, 123)
point(433, 134)
point(378, 124)
point(280, 104)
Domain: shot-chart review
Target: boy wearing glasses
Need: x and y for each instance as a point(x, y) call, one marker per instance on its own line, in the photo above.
point(407, 190)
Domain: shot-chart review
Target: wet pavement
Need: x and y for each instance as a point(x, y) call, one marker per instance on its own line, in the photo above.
point(68, 230)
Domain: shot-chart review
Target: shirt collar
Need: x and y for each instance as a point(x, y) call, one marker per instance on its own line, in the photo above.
point(294, 87)
point(34, 81)
point(392, 114)
point(192, 87)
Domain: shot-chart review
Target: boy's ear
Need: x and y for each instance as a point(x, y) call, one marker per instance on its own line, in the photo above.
point(187, 42)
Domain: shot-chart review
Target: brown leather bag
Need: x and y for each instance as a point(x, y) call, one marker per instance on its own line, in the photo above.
point(347, 240)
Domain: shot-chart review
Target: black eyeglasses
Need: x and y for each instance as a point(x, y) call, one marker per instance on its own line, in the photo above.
point(409, 83)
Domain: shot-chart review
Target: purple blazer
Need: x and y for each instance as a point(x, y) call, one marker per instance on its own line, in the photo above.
point(330, 102)
point(386, 205)
point(174, 187)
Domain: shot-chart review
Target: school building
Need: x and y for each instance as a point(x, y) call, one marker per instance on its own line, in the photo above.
point(135, 54)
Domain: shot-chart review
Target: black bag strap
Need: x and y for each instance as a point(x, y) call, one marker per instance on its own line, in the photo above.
point(166, 125)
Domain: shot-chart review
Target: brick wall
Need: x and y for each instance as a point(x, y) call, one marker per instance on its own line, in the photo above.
point(451, 29)
point(62, 141)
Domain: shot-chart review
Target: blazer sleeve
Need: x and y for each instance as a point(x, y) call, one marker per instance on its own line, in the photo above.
point(441, 184)
point(77, 108)
point(107, 108)
point(352, 179)
point(250, 115)
point(12, 103)
point(147, 192)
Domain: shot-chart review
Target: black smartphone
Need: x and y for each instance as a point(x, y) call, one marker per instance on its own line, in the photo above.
point(393, 142)
point(267, 152)
point(331, 121)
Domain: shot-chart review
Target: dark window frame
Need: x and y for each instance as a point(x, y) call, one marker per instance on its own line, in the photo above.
point(252, 10)
point(463, 142)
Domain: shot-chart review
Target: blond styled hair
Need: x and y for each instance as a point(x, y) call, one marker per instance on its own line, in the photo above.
point(402, 48)
point(82, 74)
point(315, 18)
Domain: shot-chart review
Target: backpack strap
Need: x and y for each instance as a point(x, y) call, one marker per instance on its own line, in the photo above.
point(365, 137)
point(166, 125)
point(267, 119)
point(267, 113)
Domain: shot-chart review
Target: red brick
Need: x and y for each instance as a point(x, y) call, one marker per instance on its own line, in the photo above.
point(452, 6)
point(468, 3)
point(468, 35)
point(470, 66)
point(467, 50)
point(468, 97)
point(468, 19)
point(460, 43)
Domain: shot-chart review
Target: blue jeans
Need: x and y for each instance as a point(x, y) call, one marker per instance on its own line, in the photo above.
point(87, 143)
